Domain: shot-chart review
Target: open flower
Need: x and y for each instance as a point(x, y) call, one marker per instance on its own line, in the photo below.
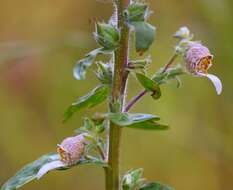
point(198, 60)
point(70, 150)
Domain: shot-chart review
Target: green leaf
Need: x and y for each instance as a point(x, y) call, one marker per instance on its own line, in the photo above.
point(145, 34)
point(149, 85)
point(28, 172)
point(137, 121)
point(82, 65)
point(127, 119)
point(149, 125)
point(156, 186)
point(96, 96)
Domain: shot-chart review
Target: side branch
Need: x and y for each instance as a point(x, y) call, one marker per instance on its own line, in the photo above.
point(136, 98)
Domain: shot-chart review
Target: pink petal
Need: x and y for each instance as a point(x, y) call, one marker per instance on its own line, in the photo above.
point(215, 80)
point(48, 167)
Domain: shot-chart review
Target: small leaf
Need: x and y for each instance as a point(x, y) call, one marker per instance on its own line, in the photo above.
point(82, 65)
point(156, 186)
point(149, 125)
point(28, 172)
point(145, 34)
point(149, 85)
point(127, 119)
point(137, 120)
point(96, 96)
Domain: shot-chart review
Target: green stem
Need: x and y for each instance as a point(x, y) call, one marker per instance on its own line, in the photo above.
point(117, 99)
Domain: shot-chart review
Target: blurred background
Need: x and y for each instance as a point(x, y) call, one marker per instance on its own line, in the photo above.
point(40, 41)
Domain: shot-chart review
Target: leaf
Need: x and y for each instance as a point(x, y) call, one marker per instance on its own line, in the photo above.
point(28, 172)
point(82, 65)
point(96, 96)
point(149, 85)
point(137, 120)
point(145, 34)
point(127, 119)
point(149, 125)
point(156, 186)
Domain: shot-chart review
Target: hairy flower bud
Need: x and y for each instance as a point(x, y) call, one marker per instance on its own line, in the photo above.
point(107, 36)
point(183, 33)
point(71, 149)
point(198, 60)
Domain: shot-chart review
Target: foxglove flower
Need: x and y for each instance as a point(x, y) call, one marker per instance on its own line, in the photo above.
point(198, 60)
point(70, 150)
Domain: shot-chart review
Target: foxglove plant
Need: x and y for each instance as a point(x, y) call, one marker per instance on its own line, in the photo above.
point(98, 140)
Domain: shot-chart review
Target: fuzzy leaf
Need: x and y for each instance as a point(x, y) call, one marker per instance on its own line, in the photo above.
point(149, 125)
point(145, 34)
point(137, 120)
point(156, 186)
point(28, 172)
point(82, 65)
point(96, 96)
point(126, 119)
point(149, 85)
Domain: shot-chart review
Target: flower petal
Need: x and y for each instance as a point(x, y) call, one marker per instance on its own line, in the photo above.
point(48, 167)
point(215, 80)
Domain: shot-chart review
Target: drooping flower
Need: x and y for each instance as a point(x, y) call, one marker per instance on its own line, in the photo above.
point(198, 60)
point(70, 150)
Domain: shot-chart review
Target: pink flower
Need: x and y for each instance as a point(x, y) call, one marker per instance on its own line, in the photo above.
point(198, 60)
point(70, 150)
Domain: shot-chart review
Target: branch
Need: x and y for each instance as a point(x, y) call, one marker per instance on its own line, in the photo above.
point(136, 98)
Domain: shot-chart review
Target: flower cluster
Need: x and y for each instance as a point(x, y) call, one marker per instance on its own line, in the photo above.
point(198, 58)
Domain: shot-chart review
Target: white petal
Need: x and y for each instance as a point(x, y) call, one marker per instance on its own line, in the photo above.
point(215, 80)
point(48, 167)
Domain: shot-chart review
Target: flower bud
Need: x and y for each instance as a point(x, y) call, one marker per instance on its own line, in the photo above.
point(136, 12)
point(71, 149)
point(107, 35)
point(132, 179)
point(183, 33)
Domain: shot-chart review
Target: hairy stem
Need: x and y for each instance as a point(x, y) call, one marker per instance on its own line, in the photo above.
point(116, 103)
point(136, 98)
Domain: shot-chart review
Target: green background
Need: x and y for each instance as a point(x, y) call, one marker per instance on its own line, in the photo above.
point(41, 41)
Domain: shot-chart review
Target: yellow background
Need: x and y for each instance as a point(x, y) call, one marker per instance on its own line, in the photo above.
point(39, 43)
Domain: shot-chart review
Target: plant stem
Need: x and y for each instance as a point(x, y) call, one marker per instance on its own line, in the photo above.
point(136, 98)
point(117, 99)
